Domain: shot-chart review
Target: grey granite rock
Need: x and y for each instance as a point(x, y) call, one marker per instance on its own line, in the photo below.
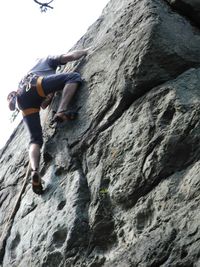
point(122, 181)
point(189, 8)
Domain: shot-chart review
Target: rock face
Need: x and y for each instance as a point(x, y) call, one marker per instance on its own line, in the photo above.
point(122, 181)
point(189, 8)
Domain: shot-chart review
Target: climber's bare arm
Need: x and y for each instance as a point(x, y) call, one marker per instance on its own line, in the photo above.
point(74, 55)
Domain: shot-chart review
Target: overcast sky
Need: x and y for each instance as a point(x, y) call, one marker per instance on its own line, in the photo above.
point(27, 34)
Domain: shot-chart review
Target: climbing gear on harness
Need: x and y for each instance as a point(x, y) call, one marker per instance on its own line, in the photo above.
point(32, 80)
point(14, 115)
point(12, 98)
point(65, 115)
point(36, 183)
point(26, 82)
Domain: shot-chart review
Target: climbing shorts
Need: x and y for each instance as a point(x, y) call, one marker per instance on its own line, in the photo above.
point(56, 82)
point(33, 124)
point(29, 99)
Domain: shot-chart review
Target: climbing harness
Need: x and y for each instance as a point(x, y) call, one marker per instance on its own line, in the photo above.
point(30, 81)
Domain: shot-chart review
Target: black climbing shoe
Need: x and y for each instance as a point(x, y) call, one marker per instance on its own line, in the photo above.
point(36, 183)
point(65, 116)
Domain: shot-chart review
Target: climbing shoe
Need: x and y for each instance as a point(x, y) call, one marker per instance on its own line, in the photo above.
point(65, 115)
point(36, 183)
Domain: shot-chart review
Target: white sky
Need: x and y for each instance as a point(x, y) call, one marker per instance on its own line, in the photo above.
point(27, 34)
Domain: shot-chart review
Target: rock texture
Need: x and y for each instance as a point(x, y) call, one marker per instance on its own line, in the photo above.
point(122, 181)
point(189, 8)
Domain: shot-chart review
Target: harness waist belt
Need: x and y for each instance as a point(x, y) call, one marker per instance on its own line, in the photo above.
point(29, 111)
point(36, 82)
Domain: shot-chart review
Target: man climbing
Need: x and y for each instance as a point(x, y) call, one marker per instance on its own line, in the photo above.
point(36, 90)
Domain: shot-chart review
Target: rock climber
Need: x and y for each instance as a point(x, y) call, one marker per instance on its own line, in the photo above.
point(36, 90)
